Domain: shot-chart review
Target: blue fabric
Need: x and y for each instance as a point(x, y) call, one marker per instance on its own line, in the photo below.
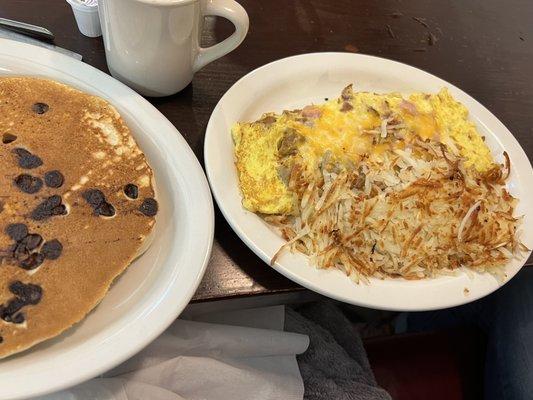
point(506, 317)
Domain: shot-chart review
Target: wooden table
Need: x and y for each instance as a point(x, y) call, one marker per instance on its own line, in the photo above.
point(483, 46)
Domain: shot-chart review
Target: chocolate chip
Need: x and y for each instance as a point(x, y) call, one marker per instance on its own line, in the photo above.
point(17, 231)
point(8, 138)
point(19, 151)
point(149, 207)
point(5, 317)
point(32, 241)
point(27, 292)
point(40, 108)
point(105, 210)
point(59, 210)
point(32, 262)
point(97, 201)
point(49, 207)
point(131, 190)
point(94, 197)
point(28, 184)
point(13, 306)
point(1, 339)
point(19, 251)
point(52, 249)
point(26, 159)
point(53, 179)
point(52, 201)
point(18, 318)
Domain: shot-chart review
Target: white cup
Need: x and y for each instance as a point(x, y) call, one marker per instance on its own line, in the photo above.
point(153, 46)
point(86, 17)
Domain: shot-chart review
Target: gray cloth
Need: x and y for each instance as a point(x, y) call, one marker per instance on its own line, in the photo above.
point(335, 365)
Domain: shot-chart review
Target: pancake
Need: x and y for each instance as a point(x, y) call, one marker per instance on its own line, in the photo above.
point(77, 205)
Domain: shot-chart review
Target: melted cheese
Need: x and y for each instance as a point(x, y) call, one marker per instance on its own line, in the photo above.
point(348, 133)
point(423, 125)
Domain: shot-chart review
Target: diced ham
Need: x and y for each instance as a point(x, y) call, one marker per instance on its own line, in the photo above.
point(311, 112)
point(409, 107)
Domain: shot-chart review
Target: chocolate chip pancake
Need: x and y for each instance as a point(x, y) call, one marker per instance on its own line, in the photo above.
point(76, 204)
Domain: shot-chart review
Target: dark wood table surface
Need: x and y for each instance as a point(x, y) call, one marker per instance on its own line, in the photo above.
point(484, 47)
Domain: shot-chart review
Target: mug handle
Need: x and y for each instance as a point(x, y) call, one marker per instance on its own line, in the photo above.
point(232, 11)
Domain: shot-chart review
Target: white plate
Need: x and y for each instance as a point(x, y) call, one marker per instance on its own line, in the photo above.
point(157, 286)
point(296, 81)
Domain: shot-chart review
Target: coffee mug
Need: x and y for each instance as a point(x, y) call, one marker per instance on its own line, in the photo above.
point(153, 46)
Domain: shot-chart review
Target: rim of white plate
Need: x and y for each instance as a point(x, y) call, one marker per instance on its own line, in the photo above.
point(159, 311)
point(287, 263)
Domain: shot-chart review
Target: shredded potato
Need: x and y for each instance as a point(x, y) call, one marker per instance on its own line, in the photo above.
point(411, 213)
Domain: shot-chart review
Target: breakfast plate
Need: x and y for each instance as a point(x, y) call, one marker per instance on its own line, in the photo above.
point(157, 286)
point(295, 82)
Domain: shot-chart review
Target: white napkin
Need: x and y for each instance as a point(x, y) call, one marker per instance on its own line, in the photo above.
point(209, 360)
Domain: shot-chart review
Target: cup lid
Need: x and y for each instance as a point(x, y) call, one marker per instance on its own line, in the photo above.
point(85, 5)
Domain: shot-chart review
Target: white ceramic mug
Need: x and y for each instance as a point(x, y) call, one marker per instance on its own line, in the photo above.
point(153, 46)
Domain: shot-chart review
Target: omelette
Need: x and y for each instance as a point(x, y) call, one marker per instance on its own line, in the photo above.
point(77, 205)
point(380, 185)
point(339, 126)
